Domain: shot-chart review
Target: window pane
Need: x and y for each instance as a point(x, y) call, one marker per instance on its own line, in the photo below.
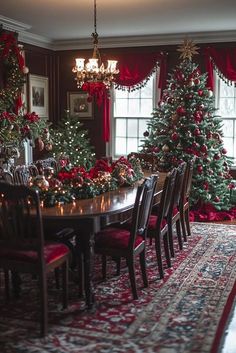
point(132, 145)
point(228, 128)
point(226, 90)
point(121, 127)
point(228, 144)
point(147, 91)
point(147, 107)
point(226, 107)
point(132, 127)
point(121, 94)
point(134, 109)
point(120, 107)
point(134, 94)
point(120, 146)
point(142, 127)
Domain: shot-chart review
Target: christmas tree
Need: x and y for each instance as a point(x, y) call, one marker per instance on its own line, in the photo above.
point(185, 125)
point(71, 142)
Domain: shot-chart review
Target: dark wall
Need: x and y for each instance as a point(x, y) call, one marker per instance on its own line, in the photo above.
point(57, 66)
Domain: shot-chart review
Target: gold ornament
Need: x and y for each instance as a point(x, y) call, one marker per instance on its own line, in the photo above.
point(165, 148)
point(187, 49)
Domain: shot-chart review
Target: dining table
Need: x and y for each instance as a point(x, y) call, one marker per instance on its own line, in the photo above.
point(86, 217)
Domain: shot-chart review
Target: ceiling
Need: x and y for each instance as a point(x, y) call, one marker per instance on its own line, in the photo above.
point(70, 22)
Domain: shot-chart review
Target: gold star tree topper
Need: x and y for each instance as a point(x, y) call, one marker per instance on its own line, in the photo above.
point(187, 49)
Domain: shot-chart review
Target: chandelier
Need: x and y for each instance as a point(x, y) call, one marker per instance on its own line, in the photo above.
point(94, 71)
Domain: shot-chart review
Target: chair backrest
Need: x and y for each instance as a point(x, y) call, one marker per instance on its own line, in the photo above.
point(50, 162)
point(178, 187)
point(187, 183)
point(166, 196)
point(7, 177)
point(21, 175)
point(33, 170)
point(142, 208)
point(20, 219)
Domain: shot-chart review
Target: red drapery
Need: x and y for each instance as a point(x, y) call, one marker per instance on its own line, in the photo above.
point(135, 69)
point(224, 60)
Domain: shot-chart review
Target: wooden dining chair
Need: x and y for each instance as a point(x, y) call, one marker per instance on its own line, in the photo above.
point(157, 226)
point(22, 245)
point(184, 204)
point(127, 243)
point(173, 216)
point(21, 175)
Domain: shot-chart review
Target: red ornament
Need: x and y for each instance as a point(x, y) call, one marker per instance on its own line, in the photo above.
point(175, 136)
point(196, 132)
point(217, 156)
point(200, 93)
point(209, 135)
point(217, 199)
point(198, 116)
point(181, 110)
point(224, 151)
point(196, 81)
point(172, 86)
point(206, 185)
point(203, 149)
point(199, 168)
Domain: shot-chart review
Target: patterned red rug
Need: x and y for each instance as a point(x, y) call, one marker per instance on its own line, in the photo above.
point(180, 314)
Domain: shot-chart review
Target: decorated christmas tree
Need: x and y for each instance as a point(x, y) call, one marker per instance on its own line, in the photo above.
point(71, 143)
point(185, 125)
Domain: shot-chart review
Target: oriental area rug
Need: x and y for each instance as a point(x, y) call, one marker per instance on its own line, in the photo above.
point(184, 313)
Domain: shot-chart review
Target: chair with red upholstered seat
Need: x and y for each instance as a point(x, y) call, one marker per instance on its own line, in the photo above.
point(22, 246)
point(157, 226)
point(127, 243)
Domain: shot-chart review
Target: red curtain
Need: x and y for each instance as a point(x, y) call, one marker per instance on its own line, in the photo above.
point(224, 60)
point(135, 70)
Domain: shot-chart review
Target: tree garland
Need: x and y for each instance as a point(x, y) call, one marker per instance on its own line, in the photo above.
point(14, 70)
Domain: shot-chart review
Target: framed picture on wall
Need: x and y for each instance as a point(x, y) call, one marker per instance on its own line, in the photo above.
point(38, 95)
point(78, 105)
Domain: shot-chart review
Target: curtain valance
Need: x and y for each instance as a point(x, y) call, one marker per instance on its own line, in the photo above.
point(135, 70)
point(223, 60)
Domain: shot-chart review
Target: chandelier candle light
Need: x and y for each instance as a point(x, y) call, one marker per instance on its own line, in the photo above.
point(94, 71)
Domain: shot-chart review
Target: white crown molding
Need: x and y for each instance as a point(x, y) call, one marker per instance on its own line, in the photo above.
point(113, 42)
point(12, 25)
point(151, 40)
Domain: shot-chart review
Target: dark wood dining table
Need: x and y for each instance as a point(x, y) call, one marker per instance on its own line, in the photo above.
point(85, 217)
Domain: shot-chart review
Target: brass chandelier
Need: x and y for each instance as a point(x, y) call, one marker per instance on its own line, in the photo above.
point(94, 70)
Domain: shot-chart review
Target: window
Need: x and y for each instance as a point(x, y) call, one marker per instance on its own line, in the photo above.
point(226, 103)
point(131, 111)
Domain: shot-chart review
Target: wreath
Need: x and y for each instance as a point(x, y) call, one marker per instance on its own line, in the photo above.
point(13, 69)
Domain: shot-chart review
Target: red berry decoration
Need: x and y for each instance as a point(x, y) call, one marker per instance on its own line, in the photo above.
point(196, 81)
point(217, 156)
point(200, 93)
point(209, 135)
point(217, 199)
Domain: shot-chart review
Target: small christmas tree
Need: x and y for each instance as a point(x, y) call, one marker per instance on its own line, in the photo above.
point(71, 142)
point(185, 125)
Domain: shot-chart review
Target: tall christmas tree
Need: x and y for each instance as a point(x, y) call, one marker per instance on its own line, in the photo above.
point(70, 141)
point(185, 125)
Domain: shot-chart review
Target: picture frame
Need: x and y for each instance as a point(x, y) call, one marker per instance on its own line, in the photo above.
point(78, 105)
point(38, 95)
